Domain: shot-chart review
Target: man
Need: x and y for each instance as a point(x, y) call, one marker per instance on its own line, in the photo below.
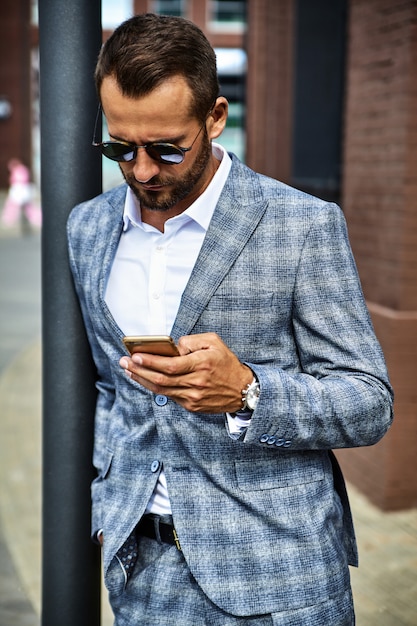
point(218, 500)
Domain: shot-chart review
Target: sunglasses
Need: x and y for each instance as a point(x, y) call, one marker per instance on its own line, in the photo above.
point(167, 153)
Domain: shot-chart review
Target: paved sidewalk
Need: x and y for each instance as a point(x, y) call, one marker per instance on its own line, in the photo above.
point(19, 323)
point(385, 585)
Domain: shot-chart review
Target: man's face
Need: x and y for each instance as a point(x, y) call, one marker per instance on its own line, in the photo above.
point(161, 116)
point(164, 191)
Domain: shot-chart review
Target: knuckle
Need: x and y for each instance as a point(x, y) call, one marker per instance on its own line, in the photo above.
point(160, 380)
point(194, 401)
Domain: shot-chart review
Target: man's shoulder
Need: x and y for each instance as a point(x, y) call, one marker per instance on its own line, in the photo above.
point(259, 186)
point(110, 203)
point(112, 197)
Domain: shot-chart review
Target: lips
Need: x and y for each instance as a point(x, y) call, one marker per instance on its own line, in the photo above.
point(152, 187)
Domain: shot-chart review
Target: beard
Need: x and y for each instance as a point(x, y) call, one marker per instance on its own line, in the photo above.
point(181, 187)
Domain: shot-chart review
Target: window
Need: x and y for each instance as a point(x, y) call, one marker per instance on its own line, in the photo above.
point(231, 67)
point(228, 15)
point(170, 7)
point(34, 13)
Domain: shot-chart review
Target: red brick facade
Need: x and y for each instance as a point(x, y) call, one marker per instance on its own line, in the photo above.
point(380, 203)
point(379, 195)
point(269, 95)
point(15, 131)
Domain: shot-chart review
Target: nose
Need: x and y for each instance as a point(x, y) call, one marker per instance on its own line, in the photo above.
point(144, 166)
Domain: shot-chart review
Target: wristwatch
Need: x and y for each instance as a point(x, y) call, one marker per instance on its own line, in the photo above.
point(250, 396)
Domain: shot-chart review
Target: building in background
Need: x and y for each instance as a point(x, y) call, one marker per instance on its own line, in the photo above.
point(331, 107)
point(322, 97)
point(15, 85)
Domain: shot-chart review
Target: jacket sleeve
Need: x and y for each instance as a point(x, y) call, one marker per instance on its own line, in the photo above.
point(341, 397)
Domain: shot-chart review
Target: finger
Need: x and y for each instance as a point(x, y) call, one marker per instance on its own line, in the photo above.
point(154, 372)
point(145, 361)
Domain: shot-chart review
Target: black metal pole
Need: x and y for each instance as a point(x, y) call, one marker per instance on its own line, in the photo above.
point(70, 39)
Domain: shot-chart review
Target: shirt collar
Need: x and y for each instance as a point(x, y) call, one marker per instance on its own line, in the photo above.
point(202, 209)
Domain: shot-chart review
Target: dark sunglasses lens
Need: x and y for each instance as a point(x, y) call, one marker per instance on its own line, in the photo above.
point(165, 153)
point(118, 151)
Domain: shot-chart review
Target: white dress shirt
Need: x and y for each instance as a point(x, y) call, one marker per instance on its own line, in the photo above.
point(150, 272)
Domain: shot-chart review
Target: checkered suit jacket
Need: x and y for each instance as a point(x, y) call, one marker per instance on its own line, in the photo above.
point(264, 521)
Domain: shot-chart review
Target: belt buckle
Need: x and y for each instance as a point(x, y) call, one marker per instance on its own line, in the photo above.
point(177, 541)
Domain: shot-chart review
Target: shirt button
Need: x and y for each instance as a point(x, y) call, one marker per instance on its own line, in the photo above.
point(161, 400)
point(155, 466)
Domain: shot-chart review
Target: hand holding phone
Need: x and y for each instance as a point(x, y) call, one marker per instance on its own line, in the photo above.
point(163, 345)
point(208, 378)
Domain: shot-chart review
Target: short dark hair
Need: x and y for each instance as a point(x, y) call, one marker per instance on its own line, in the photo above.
point(147, 49)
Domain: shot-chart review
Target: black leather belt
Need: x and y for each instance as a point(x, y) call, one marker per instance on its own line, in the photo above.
point(158, 527)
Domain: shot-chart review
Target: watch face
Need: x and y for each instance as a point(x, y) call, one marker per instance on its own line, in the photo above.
point(252, 396)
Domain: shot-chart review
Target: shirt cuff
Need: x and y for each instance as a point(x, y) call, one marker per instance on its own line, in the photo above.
point(238, 423)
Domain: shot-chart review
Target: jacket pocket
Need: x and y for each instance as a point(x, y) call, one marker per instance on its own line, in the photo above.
point(286, 471)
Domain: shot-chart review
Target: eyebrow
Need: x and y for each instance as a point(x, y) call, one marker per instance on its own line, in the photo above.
point(176, 141)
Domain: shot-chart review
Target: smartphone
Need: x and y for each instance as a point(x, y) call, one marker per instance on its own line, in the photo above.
point(153, 344)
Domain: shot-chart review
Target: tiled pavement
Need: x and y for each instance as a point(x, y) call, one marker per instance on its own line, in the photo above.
point(385, 585)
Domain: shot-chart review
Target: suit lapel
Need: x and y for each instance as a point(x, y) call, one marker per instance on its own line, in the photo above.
point(109, 232)
point(236, 216)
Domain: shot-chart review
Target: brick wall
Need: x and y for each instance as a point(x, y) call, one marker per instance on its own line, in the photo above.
point(380, 203)
point(15, 132)
point(269, 93)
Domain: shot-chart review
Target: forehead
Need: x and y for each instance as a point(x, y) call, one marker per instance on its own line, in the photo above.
point(166, 107)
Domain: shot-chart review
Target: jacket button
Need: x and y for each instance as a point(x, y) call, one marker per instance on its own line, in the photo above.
point(287, 444)
point(279, 442)
point(161, 400)
point(155, 466)
point(264, 438)
point(271, 440)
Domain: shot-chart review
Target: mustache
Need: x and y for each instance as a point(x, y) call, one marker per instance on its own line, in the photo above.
point(156, 180)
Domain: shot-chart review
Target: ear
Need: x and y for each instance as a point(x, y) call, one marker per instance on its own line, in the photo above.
point(216, 120)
